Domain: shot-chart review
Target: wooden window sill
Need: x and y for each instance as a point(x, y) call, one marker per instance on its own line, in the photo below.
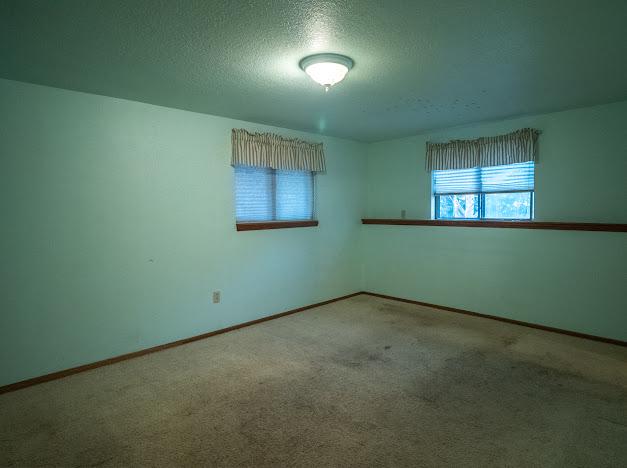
point(257, 226)
point(502, 224)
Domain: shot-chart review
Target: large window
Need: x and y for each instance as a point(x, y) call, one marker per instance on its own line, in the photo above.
point(497, 192)
point(265, 194)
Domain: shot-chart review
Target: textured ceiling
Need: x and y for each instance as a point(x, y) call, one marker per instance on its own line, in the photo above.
point(419, 64)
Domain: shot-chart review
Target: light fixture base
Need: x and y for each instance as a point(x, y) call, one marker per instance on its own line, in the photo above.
point(326, 69)
point(329, 58)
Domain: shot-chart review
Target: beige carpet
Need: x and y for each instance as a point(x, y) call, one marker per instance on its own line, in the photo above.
point(360, 382)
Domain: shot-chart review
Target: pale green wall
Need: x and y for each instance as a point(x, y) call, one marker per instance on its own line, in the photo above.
point(118, 222)
point(565, 279)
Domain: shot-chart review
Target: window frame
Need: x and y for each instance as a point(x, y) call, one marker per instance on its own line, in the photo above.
point(274, 223)
point(481, 195)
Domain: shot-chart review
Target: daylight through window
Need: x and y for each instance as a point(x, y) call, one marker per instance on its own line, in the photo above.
point(496, 192)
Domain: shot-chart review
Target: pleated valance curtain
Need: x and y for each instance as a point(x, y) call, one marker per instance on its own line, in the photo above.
point(276, 152)
point(516, 147)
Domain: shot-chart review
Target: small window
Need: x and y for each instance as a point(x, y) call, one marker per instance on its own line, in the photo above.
point(496, 192)
point(265, 194)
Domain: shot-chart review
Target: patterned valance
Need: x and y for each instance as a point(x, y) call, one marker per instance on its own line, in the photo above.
point(516, 147)
point(270, 150)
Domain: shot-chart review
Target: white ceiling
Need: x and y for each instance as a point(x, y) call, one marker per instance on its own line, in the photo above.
point(419, 64)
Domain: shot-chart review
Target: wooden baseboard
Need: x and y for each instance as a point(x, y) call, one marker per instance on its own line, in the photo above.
point(105, 362)
point(503, 319)
point(124, 357)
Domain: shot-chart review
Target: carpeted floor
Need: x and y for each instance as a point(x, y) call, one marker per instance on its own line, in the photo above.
point(360, 382)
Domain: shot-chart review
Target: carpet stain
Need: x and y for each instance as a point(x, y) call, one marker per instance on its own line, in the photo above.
point(398, 314)
point(357, 358)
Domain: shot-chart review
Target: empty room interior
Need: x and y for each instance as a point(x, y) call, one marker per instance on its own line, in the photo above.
point(313, 233)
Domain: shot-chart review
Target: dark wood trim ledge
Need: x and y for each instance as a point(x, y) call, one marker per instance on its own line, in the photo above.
point(274, 225)
point(503, 319)
point(502, 224)
point(94, 365)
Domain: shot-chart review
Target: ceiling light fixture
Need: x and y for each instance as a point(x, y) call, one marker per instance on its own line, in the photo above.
point(326, 69)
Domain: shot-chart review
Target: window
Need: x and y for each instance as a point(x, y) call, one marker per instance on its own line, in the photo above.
point(496, 192)
point(265, 194)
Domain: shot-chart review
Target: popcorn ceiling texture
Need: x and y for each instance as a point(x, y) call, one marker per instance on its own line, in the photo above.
point(418, 65)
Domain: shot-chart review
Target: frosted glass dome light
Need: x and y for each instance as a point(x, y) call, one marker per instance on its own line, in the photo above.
point(326, 69)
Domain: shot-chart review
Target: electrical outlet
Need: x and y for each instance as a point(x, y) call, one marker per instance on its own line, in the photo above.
point(216, 297)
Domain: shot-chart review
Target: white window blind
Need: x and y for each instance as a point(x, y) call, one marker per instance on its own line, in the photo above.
point(509, 178)
point(265, 194)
